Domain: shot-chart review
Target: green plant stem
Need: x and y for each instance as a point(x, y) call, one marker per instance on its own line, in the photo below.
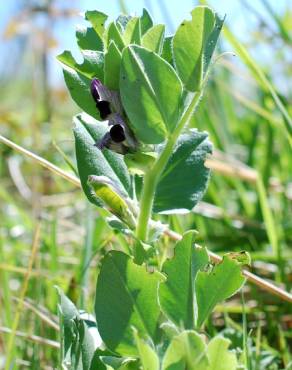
point(151, 178)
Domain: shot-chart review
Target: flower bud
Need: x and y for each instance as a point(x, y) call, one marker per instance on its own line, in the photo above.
point(116, 201)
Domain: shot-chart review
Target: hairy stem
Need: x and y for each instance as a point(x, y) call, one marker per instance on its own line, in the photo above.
point(151, 177)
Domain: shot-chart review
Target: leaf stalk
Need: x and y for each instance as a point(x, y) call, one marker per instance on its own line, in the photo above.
point(152, 177)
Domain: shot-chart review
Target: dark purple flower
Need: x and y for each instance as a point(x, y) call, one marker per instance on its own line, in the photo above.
point(117, 133)
point(108, 143)
point(119, 138)
point(94, 89)
point(103, 106)
point(114, 140)
point(104, 109)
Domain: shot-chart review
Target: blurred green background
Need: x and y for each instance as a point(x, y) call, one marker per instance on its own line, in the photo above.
point(247, 206)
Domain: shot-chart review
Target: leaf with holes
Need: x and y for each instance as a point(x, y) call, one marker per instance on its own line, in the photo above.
point(97, 20)
point(212, 287)
point(177, 293)
point(193, 46)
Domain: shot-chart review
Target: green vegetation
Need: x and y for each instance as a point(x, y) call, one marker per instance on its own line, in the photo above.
point(140, 261)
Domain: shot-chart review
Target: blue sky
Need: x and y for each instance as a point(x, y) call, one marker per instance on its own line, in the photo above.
point(240, 20)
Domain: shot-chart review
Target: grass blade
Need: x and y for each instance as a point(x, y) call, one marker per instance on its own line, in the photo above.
point(10, 346)
point(260, 77)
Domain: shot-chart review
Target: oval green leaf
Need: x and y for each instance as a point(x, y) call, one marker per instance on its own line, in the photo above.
point(147, 354)
point(189, 44)
point(219, 356)
point(186, 351)
point(126, 297)
point(145, 21)
point(78, 78)
point(151, 94)
point(153, 38)
point(114, 34)
point(132, 33)
point(112, 66)
point(185, 177)
point(92, 161)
